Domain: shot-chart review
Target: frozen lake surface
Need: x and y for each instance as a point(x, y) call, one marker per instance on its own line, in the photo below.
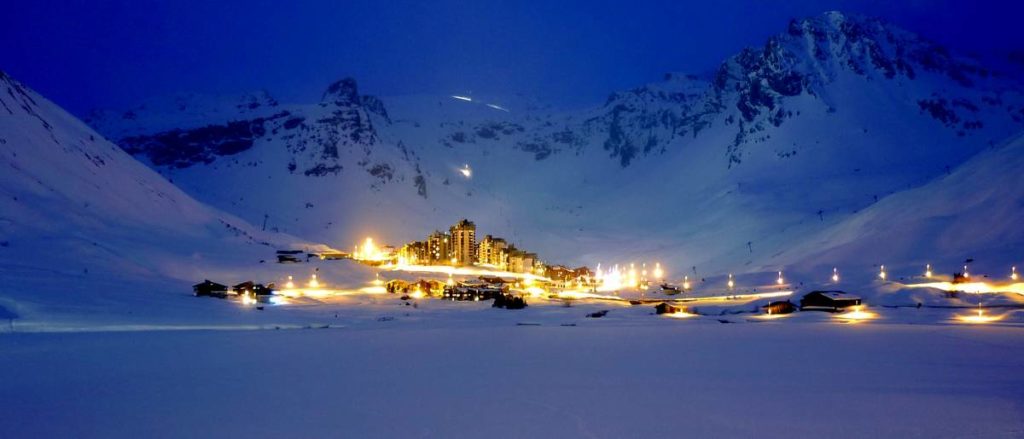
point(643, 377)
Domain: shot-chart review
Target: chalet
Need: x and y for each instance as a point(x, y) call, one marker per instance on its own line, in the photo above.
point(428, 287)
point(397, 286)
point(208, 288)
point(289, 256)
point(495, 280)
point(670, 289)
point(828, 301)
point(257, 291)
point(244, 287)
point(779, 307)
point(666, 308)
point(474, 291)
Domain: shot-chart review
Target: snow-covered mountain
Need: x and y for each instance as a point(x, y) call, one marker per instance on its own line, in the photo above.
point(78, 215)
point(787, 140)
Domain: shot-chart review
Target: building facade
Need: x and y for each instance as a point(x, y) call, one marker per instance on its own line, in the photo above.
point(414, 253)
point(492, 251)
point(438, 248)
point(463, 240)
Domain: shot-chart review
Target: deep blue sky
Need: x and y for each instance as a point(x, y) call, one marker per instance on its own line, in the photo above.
point(88, 54)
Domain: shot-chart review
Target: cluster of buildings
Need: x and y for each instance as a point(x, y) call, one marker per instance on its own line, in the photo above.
point(458, 246)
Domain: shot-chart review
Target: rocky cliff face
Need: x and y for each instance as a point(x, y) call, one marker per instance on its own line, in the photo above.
point(320, 140)
point(754, 91)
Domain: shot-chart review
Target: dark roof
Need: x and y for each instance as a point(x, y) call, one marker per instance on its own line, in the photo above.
point(834, 295)
point(465, 224)
point(213, 286)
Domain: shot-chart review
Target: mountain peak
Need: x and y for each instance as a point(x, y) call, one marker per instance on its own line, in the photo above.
point(342, 92)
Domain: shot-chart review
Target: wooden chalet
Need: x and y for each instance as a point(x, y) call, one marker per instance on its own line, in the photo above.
point(828, 301)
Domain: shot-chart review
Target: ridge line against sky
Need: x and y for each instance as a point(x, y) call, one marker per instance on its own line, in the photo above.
point(117, 54)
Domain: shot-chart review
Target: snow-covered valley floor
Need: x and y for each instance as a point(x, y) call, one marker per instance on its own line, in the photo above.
point(466, 370)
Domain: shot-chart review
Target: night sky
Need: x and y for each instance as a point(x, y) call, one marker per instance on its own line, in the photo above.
point(114, 54)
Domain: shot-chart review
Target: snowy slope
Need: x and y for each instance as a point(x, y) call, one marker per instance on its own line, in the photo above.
point(786, 140)
point(83, 222)
point(974, 212)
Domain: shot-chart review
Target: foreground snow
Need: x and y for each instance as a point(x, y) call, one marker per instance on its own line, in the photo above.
point(490, 378)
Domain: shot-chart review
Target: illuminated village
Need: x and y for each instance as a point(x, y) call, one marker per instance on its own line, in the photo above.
point(453, 265)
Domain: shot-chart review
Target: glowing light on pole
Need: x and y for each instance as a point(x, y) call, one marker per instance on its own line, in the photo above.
point(835, 274)
point(928, 270)
point(658, 273)
point(780, 281)
point(686, 283)
point(881, 272)
point(466, 171)
point(966, 274)
point(1013, 273)
point(313, 283)
point(290, 284)
point(731, 283)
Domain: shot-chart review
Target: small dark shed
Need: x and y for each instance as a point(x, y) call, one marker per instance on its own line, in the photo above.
point(780, 307)
point(828, 301)
point(209, 288)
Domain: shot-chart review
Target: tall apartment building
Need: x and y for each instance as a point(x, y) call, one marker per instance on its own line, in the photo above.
point(463, 249)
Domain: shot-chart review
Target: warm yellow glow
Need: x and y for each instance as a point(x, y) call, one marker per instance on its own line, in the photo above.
point(881, 273)
point(373, 290)
point(313, 282)
point(247, 299)
point(1013, 273)
point(731, 283)
point(290, 284)
point(417, 293)
point(966, 274)
point(679, 315)
point(609, 280)
point(686, 283)
point(780, 280)
point(835, 274)
point(980, 317)
point(377, 280)
point(973, 287)
point(857, 315)
point(535, 291)
point(369, 252)
point(770, 316)
point(658, 272)
point(577, 295)
point(466, 171)
point(462, 271)
point(928, 271)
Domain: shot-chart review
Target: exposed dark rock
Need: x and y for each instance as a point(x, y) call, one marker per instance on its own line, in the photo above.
point(321, 170)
